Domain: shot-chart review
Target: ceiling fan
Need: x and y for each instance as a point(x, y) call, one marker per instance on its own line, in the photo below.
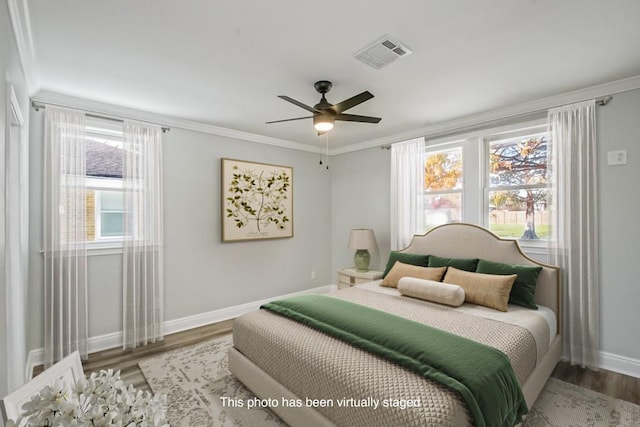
point(325, 114)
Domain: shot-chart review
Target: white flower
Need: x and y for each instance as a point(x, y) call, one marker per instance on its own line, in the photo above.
point(100, 400)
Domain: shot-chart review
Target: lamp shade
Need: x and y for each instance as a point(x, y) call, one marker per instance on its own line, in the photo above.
point(362, 238)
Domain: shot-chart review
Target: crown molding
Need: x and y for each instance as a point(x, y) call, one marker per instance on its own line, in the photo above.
point(59, 99)
point(21, 23)
point(461, 124)
point(512, 112)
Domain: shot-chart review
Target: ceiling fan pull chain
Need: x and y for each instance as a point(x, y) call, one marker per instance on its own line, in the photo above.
point(320, 152)
point(327, 150)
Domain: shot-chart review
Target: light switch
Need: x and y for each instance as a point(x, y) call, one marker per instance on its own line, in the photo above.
point(617, 157)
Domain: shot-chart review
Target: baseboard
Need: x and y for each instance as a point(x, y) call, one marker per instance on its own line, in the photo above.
point(113, 340)
point(621, 364)
point(185, 323)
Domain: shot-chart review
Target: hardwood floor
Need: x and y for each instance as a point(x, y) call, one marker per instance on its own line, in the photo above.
point(610, 383)
point(127, 360)
point(606, 382)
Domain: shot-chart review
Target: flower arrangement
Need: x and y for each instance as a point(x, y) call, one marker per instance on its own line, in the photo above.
point(100, 400)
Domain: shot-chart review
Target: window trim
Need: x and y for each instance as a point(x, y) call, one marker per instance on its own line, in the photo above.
point(475, 177)
point(516, 130)
point(435, 147)
point(98, 193)
point(96, 185)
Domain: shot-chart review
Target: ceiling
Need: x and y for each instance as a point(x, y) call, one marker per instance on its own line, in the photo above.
point(224, 62)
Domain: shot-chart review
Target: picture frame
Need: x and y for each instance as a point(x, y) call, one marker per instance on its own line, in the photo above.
point(257, 201)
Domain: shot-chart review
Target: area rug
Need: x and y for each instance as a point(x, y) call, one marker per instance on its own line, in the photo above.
point(201, 392)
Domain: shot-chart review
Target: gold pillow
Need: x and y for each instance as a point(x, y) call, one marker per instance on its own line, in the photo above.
point(400, 270)
point(490, 290)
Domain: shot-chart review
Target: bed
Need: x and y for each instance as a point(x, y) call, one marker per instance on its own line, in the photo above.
point(306, 373)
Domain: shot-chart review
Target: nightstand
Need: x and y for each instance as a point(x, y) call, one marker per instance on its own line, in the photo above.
point(348, 277)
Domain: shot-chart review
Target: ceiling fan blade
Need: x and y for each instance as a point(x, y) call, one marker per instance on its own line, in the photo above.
point(298, 103)
point(288, 120)
point(352, 102)
point(357, 118)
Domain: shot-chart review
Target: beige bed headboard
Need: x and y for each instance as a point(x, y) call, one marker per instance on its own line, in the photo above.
point(461, 240)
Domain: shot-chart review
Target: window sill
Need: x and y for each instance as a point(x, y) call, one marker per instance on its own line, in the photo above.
point(530, 247)
point(107, 248)
point(104, 248)
point(95, 249)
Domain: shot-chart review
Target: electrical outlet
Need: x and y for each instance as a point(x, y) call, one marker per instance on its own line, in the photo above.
point(313, 275)
point(617, 157)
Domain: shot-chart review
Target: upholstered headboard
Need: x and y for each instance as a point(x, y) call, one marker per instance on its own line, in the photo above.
point(461, 240)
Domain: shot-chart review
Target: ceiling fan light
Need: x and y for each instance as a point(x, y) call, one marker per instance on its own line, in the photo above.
point(323, 123)
point(323, 126)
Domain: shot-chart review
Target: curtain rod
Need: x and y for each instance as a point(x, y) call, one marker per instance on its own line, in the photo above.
point(602, 101)
point(36, 106)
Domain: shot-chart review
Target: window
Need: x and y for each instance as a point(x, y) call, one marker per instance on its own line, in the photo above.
point(517, 185)
point(105, 199)
point(442, 186)
point(493, 177)
point(110, 212)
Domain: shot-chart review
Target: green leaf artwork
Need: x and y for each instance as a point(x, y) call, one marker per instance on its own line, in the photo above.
point(257, 199)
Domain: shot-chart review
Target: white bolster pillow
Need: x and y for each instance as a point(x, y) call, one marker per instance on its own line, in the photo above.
point(443, 293)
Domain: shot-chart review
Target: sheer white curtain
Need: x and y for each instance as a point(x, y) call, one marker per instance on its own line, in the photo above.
point(574, 196)
point(65, 251)
point(143, 245)
point(407, 191)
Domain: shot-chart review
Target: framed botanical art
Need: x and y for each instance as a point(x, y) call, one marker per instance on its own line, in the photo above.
point(257, 201)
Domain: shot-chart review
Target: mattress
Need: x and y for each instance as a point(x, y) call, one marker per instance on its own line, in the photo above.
point(315, 366)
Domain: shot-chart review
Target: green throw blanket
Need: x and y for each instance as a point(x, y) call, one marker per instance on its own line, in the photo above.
point(481, 374)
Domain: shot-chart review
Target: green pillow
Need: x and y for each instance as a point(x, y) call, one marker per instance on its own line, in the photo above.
point(524, 288)
point(467, 264)
point(413, 259)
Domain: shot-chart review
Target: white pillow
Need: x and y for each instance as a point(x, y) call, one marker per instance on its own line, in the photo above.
point(443, 293)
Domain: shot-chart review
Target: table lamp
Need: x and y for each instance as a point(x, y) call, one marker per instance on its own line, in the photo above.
point(362, 239)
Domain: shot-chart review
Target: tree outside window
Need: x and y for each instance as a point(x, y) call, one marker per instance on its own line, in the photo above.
point(442, 186)
point(518, 187)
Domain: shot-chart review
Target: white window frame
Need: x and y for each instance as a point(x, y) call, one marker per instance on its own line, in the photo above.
point(97, 185)
point(438, 146)
point(516, 130)
point(475, 174)
point(104, 130)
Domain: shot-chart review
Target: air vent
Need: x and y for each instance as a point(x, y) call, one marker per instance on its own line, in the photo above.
point(382, 52)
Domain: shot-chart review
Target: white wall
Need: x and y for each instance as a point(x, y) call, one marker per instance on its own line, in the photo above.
point(201, 273)
point(360, 194)
point(11, 73)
